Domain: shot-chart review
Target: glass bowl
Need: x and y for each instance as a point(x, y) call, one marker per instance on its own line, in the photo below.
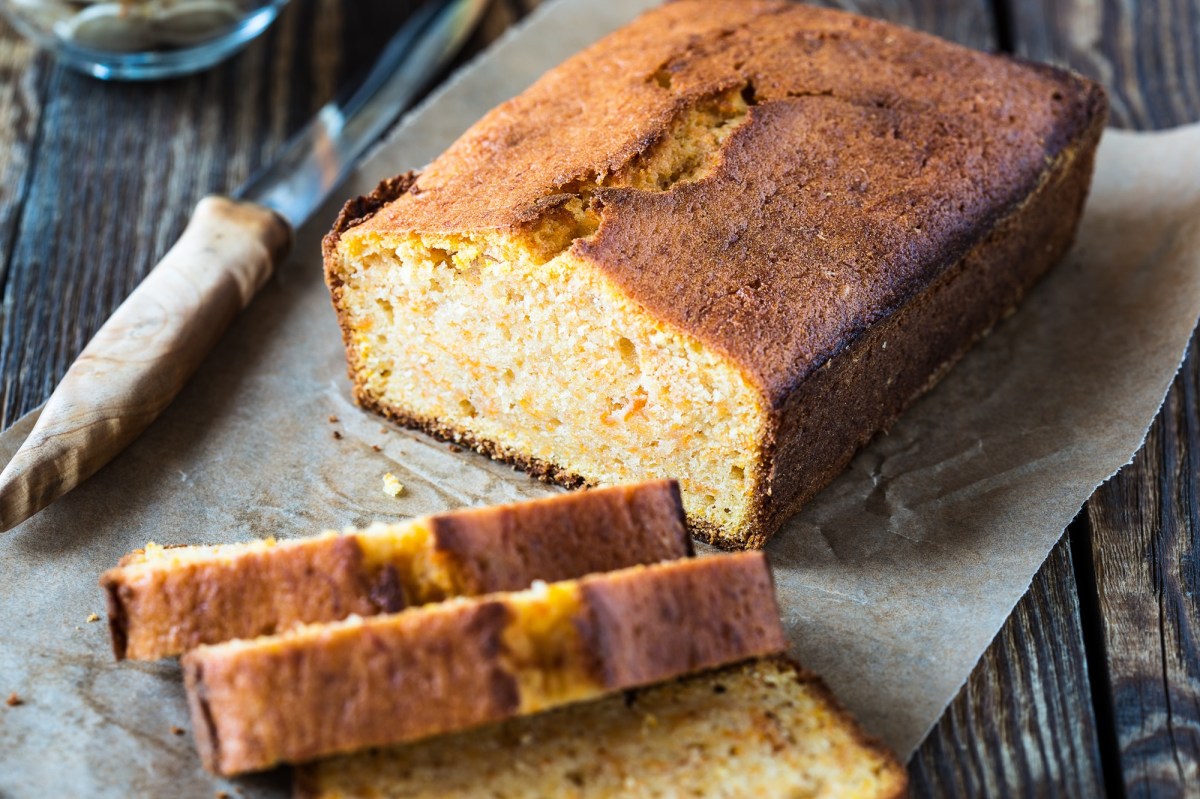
point(141, 39)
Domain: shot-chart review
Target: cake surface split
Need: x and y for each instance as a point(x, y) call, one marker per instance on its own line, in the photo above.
point(728, 243)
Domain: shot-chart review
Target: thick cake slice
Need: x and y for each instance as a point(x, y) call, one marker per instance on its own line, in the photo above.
point(728, 243)
point(341, 686)
point(164, 601)
point(759, 730)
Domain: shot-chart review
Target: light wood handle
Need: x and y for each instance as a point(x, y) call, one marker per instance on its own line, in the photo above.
point(146, 351)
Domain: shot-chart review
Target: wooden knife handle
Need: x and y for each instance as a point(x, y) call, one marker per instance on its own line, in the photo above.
point(142, 356)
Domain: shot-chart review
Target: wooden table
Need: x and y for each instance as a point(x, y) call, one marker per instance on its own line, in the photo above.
point(1093, 685)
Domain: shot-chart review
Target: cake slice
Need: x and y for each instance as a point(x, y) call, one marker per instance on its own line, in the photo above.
point(759, 730)
point(341, 686)
point(727, 243)
point(163, 601)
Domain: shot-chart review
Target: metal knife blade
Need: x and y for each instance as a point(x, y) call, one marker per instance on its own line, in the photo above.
point(316, 160)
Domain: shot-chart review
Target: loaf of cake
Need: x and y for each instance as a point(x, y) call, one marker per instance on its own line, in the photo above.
point(728, 243)
point(163, 601)
point(340, 686)
point(759, 730)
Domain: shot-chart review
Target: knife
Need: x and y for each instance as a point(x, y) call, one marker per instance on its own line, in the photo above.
point(144, 354)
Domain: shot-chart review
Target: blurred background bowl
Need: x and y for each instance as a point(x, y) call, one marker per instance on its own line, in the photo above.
point(141, 39)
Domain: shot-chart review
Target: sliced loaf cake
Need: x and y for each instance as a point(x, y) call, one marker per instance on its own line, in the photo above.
point(163, 601)
point(765, 729)
point(341, 686)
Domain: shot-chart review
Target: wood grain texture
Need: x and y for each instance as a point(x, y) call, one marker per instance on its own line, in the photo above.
point(1146, 52)
point(1021, 726)
point(1143, 523)
point(1145, 543)
point(21, 94)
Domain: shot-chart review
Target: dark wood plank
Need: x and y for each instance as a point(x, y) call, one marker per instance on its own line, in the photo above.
point(22, 89)
point(1145, 526)
point(1143, 523)
point(1020, 726)
point(1147, 52)
point(1023, 723)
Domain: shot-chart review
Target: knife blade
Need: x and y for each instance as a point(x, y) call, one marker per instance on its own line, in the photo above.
point(320, 156)
point(145, 352)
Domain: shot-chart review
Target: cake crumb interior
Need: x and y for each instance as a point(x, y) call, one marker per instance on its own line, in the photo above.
point(756, 729)
point(512, 339)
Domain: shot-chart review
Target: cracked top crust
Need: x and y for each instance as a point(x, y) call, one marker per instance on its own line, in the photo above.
point(870, 158)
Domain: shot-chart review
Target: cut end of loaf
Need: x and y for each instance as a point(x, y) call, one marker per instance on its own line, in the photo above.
point(513, 342)
point(566, 371)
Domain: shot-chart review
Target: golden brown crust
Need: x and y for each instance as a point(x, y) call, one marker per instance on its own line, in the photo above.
point(874, 157)
point(866, 387)
point(636, 627)
point(505, 548)
point(165, 611)
point(879, 188)
point(161, 612)
point(358, 210)
point(359, 686)
point(446, 667)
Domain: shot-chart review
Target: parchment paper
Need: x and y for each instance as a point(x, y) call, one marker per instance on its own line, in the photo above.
point(893, 581)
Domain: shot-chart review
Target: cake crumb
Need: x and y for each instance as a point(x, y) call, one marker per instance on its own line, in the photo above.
point(14, 699)
point(391, 486)
point(383, 429)
point(93, 617)
point(376, 448)
point(455, 448)
point(333, 419)
point(175, 730)
point(222, 794)
point(337, 435)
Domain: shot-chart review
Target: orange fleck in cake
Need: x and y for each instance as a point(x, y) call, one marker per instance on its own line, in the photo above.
point(163, 601)
point(759, 730)
point(728, 243)
point(340, 686)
